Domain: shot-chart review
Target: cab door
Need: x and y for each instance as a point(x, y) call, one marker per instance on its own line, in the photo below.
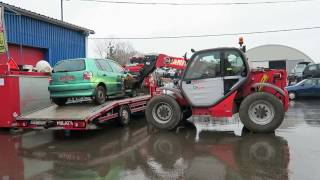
point(202, 83)
point(235, 69)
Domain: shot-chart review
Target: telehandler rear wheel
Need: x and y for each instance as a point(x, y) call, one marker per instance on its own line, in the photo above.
point(261, 112)
point(163, 112)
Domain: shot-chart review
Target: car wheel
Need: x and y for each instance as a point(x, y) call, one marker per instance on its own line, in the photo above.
point(60, 101)
point(100, 95)
point(292, 95)
point(261, 112)
point(124, 115)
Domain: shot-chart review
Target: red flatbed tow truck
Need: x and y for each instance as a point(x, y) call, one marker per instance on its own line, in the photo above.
point(25, 103)
point(85, 115)
point(82, 116)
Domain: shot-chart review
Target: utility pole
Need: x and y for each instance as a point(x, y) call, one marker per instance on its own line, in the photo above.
point(61, 10)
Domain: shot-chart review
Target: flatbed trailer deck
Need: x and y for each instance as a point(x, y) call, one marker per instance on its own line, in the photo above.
point(81, 116)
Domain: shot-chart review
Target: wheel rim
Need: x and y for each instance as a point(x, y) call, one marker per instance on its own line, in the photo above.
point(100, 95)
point(292, 95)
point(261, 112)
point(125, 115)
point(162, 113)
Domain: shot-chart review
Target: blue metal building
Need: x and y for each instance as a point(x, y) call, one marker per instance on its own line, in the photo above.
point(33, 36)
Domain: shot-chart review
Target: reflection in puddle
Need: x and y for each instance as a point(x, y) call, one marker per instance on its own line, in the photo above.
point(140, 152)
point(232, 124)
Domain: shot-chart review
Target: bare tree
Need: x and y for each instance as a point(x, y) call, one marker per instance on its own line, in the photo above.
point(117, 50)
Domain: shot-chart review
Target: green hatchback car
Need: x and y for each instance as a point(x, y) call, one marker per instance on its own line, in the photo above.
point(96, 78)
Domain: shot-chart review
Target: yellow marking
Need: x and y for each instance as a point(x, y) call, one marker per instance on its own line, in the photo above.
point(263, 80)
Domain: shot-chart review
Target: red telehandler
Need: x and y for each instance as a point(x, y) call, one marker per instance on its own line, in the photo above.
point(219, 83)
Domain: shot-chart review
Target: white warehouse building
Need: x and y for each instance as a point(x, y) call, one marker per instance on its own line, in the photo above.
point(276, 56)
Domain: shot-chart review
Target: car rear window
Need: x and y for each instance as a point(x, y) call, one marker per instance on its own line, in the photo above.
point(70, 65)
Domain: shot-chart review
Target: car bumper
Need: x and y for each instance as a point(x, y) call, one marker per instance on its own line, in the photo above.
point(72, 90)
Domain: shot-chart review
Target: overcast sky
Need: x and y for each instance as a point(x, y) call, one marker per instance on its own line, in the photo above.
point(119, 20)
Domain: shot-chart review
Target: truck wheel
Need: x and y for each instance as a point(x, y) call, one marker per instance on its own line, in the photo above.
point(261, 112)
point(100, 95)
point(60, 101)
point(163, 112)
point(124, 115)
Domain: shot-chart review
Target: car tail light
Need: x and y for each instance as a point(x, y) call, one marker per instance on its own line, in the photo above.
point(87, 75)
point(22, 123)
point(79, 124)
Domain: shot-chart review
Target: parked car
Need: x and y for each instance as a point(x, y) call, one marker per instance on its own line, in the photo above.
point(306, 87)
point(295, 75)
point(311, 71)
point(95, 78)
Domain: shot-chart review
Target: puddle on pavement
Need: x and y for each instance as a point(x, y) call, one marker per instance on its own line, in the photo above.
point(141, 152)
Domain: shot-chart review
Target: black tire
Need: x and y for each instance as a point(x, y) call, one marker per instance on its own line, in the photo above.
point(100, 95)
point(124, 115)
point(60, 101)
point(261, 112)
point(163, 112)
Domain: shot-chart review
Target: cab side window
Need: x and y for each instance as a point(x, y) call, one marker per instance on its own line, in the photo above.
point(205, 65)
point(234, 64)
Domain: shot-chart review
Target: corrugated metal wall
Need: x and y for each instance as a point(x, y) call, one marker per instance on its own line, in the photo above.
point(58, 42)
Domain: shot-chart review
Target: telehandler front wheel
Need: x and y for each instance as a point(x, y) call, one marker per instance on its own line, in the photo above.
point(261, 112)
point(163, 112)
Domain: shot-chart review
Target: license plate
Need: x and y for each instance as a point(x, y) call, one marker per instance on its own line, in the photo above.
point(38, 123)
point(66, 78)
point(64, 123)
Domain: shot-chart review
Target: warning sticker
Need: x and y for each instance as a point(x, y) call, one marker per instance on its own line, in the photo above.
point(1, 82)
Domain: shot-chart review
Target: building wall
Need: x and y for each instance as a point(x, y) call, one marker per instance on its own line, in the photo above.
point(23, 55)
point(261, 55)
point(57, 42)
point(276, 52)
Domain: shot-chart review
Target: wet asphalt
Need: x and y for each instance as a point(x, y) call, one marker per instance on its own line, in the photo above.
point(141, 152)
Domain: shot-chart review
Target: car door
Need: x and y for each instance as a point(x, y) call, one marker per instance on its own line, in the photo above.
point(107, 76)
point(307, 88)
point(119, 74)
point(202, 82)
point(317, 89)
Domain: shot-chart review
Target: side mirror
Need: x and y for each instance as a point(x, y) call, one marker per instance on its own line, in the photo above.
point(302, 85)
